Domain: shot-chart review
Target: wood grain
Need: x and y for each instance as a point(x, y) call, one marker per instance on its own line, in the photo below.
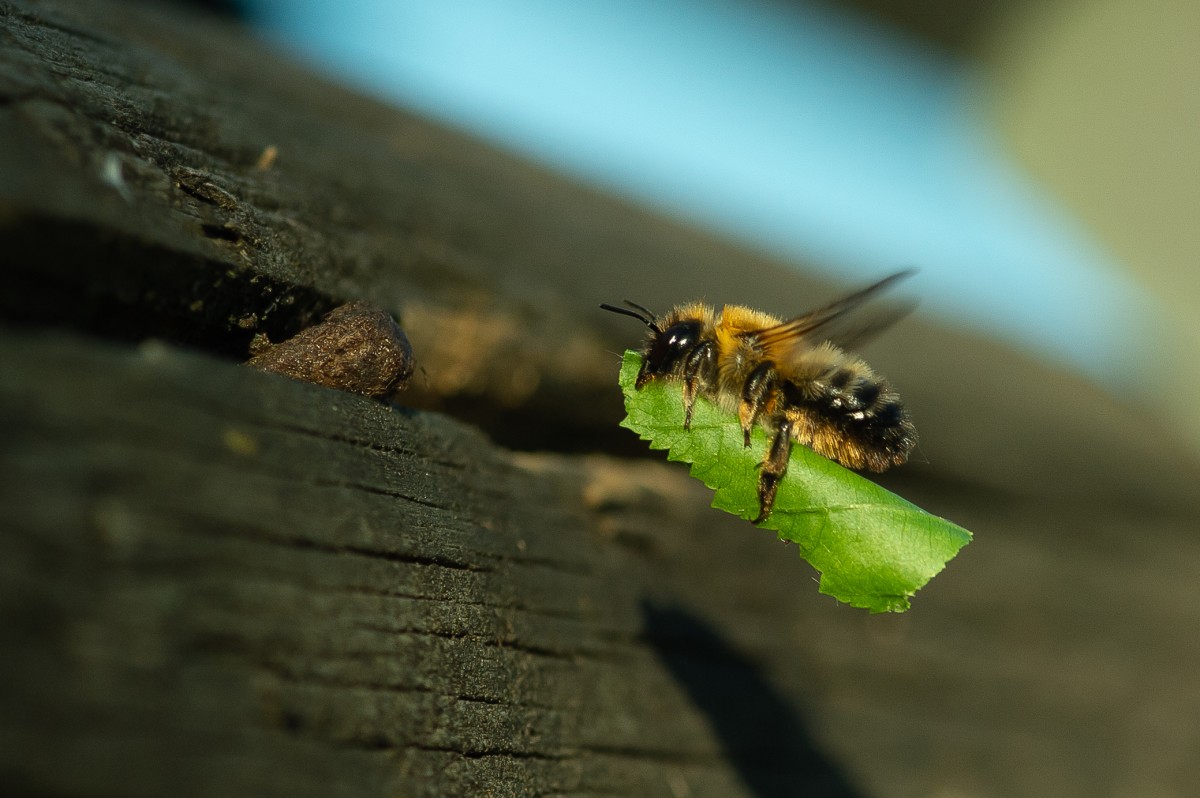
point(219, 581)
point(274, 587)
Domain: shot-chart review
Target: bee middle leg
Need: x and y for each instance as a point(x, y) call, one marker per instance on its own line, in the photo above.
point(755, 392)
point(772, 469)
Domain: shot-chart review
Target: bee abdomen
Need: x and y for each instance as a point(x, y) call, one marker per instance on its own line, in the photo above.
point(854, 418)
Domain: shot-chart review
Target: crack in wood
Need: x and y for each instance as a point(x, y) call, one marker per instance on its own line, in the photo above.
point(503, 753)
point(391, 493)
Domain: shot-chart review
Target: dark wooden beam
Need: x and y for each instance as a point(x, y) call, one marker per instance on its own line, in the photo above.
point(219, 581)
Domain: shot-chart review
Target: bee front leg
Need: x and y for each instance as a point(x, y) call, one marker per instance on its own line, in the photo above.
point(698, 368)
point(754, 395)
point(772, 469)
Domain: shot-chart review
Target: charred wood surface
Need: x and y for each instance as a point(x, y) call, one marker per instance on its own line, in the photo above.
point(215, 580)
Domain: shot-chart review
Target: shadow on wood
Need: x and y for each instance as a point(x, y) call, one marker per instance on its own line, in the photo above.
point(761, 733)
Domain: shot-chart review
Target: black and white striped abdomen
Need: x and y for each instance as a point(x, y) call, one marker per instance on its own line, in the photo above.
point(853, 416)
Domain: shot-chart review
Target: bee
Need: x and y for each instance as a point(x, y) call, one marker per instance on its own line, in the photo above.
point(787, 376)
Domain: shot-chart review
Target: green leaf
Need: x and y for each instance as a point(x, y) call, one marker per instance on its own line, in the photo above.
point(873, 549)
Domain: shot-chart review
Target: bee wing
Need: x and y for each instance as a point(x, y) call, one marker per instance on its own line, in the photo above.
point(834, 322)
point(855, 330)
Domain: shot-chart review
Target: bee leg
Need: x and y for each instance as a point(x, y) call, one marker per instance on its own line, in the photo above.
point(754, 395)
point(772, 469)
point(700, 366)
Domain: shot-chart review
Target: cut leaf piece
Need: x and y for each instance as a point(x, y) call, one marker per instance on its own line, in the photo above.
point(873, 549)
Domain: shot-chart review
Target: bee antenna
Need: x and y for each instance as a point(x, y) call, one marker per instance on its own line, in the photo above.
point(636, 306)
point(645, 316)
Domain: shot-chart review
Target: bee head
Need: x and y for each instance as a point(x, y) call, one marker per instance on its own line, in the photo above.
point(667, 349)
point(667, 346)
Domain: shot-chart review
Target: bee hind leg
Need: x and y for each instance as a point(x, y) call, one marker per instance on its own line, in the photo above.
point(772, 469)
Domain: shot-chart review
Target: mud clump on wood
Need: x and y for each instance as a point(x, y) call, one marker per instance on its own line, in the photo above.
point(358, 347)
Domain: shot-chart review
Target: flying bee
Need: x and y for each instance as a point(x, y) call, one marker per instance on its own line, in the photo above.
point(788, 377)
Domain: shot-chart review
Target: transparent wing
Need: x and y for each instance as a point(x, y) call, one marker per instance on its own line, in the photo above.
point(841, 321)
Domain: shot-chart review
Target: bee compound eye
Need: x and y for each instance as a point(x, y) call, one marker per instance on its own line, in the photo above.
point(682, 336)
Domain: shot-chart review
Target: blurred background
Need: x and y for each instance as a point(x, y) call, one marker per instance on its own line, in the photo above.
point(1037, 161)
